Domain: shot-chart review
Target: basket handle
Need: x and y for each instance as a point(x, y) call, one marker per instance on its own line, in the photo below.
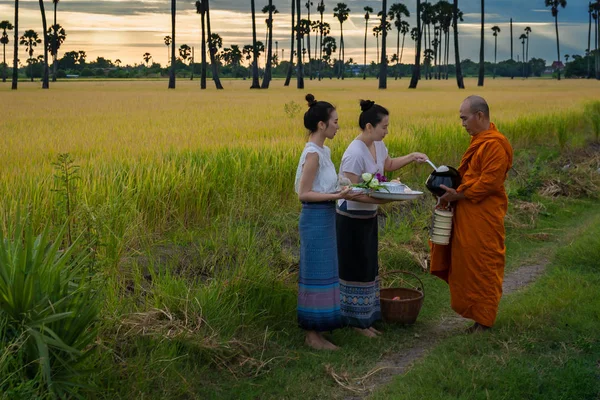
point(408, 273)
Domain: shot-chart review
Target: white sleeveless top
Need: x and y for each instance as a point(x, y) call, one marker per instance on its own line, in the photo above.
point(357, 160)
point(326, 180)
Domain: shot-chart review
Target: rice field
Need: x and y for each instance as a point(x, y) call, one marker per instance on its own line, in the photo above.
point(186, 196)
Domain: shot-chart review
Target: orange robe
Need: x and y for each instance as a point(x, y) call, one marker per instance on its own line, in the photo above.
point(473, 263)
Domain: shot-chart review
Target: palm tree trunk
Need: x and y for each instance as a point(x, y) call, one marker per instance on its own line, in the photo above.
point(203, 49)
point(383, 66)
point(365, 47)
point(300, 69)
point(321, 47)
point(192, 62)
point(495, 54)
point(267, 77)
point(416, 69)
point(397, 53)
point(447, 68)
point(172, 72)
point(288, 77)
point(255, 82)
point(557, 44)
point(54, 48)
point(459, 77)
point(523, 69)
point(589, 44)
point(3, 63)
point(527, 58)
point(481, 48)
point(308, 42)
point(15, 73)
point(343, 50)
point(45, 74)
point(512, 70)
point(212, 50)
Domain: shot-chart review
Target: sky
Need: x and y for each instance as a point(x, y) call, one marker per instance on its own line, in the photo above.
point(126, 29)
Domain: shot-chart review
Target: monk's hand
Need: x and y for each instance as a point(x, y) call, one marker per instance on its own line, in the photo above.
point(451, 195)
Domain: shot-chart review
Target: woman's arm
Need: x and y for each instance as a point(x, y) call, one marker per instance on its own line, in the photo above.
point(309, 172)
point(393, 164)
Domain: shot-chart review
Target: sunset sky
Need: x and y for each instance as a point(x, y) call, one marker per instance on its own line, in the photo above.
point(126, 29)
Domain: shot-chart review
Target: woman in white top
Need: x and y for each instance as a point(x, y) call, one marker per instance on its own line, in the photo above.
point(317, 188)
point(357, 220)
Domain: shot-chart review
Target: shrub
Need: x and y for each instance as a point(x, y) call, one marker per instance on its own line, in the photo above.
point(48, 310)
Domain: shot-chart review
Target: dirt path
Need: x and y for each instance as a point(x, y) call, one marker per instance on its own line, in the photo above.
point(448, 325)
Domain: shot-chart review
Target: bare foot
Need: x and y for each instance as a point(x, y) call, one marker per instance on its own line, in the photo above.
point(366, 332)
point(316, 341)
point(375, 331)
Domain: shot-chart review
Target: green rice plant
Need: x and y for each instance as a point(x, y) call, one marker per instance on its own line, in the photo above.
point(561, 128)
point(49, 304)
point(592, 111)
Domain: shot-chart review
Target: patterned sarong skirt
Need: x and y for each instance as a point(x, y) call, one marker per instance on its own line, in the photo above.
point(318, 287)
point(359, 270)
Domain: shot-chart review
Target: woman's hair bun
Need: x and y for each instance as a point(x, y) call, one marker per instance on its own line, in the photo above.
point(366, 105)
point(311, 100)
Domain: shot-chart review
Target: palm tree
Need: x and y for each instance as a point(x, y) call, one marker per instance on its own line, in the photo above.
point(496, 30)
point(589, 44)
point(397, 10)
point(212, 49)
point(118, 63)
point(271, 9)
point(15, 72)
point(383, 67)
point(329, 48)
point(414, 81)
point(201, 9)
point(377, 33)
point(481, 48)
point(404, 29)
point(300, 67)
point(45, 75)
point(459, 77)
point(54, 48)
point(368, 11)
point(523, 38)
point(323, 26)
point(5, 26)
point(168, 40)
point(30, 40)
point(554, 4)
point(255, 82)
point(308, 5)
point(512, 70)
point(288, 77)
point(58, 35)
point(527, 32)
point(172, 72)
point(147, 57)
point(341, 12)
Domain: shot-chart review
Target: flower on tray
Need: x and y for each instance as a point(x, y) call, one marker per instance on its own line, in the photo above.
point(371, 182)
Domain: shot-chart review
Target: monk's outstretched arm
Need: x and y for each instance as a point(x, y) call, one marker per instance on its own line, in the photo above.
point(494, 166)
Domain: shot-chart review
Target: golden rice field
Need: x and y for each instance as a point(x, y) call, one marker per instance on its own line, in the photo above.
point(179, 156)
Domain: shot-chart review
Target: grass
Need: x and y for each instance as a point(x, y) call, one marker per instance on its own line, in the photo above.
point(188, 207)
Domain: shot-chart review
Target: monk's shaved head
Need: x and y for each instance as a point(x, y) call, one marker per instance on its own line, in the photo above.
point(477, 104)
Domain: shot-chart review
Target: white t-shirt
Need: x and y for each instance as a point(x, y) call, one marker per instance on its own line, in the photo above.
point(326, 180)
point(357, 160)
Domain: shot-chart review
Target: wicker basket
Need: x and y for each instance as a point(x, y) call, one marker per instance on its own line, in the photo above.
point(403, 311)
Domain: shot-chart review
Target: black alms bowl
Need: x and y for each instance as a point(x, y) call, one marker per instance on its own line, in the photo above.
point(450, 178)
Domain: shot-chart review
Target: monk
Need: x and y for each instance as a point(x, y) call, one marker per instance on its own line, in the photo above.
point(473, 263)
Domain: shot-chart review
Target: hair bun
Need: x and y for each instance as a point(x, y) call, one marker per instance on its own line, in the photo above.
point(311, 100)
point(366, 105)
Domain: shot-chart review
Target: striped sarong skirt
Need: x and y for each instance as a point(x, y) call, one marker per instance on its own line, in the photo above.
point(318, 287)
point(359, 270)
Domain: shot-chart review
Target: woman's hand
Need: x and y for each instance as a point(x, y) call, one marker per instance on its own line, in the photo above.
point(419, 157)
point(347, 193)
